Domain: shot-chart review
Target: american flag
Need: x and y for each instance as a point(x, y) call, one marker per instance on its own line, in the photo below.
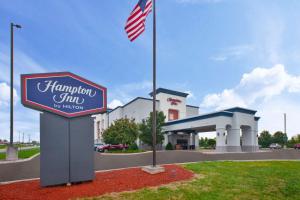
point(135, 24)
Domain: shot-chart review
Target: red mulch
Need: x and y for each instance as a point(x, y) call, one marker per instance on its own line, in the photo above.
point(105, 182)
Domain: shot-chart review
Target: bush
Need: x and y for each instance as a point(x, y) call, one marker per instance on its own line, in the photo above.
point(122, 131)
point(133, 146)
point(169, 146)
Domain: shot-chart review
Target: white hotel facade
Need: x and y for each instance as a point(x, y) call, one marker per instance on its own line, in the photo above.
point(236, 128)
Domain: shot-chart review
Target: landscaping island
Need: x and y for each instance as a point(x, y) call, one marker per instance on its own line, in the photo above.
point(202, 180)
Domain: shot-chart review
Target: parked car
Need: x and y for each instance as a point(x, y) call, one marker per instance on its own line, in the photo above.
point(106, 147)
point(97, 145)
point(275, 146)
point(297, 146)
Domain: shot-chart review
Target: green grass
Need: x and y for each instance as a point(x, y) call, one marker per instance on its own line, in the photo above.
point(125, 151)
point(27, 153)
point(3, 146)
point(229, 180)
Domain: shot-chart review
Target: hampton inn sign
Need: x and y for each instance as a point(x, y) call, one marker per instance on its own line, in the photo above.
point(67, 102)
point(63, 93)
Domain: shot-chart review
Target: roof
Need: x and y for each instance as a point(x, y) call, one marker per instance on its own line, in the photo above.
point(226, 113)
point(192, 106)
point(137, 98)
point(172, 92)
point(199, 117)
point(241, 110)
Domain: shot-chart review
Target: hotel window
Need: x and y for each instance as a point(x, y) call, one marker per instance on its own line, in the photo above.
point(98, 127)
point(173, 114)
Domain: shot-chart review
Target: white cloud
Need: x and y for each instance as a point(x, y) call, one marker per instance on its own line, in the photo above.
point(115, 103)
point(5, 94)
point(23, 63)
point(225, 99)
point(233, 52)
point(127, 92)
point(259, 89)
point(191, 94)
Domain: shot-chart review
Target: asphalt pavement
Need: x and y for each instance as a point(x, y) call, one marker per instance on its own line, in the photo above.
point(104, 161)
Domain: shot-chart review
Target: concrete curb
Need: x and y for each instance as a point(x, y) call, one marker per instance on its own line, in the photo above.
point(21, 160)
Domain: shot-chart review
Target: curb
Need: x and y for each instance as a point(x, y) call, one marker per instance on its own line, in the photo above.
point(18, 161)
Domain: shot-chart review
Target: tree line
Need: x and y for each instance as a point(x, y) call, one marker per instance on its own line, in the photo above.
point(266, 138)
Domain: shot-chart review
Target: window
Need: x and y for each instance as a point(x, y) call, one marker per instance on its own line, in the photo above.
point(98, 128)
point(173, 114)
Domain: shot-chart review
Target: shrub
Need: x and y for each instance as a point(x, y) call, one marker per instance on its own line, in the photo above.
point(133, 146)
point(122, 131)
point(169, 146)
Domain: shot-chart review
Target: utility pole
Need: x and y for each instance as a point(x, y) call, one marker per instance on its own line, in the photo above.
point(12, 152)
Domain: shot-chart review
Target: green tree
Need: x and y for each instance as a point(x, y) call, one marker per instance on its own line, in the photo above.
point(211, 143)
point(265, 139)
point(122, 131)
point(280, 138)
point(169, 146)
point(202, 142)
point(146, 129)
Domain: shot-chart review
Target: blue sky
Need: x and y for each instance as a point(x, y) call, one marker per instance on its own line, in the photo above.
point(224, 52)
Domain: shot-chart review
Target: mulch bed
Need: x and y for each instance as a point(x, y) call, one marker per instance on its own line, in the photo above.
point(105, 182)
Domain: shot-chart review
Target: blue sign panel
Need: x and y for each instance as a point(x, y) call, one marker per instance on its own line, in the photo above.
point(63, 93)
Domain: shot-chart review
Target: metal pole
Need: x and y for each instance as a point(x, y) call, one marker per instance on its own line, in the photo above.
point(11, 83)
point(154, 87)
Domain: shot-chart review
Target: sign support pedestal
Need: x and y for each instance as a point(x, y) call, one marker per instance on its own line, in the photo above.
point(66, 149)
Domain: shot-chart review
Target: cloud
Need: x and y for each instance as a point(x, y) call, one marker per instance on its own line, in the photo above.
point(128, 91)
point(264, 89)
point(23, 63)
point(115, 103)
point(25, 121)
point(5, 94)
point(233, 52)
point(191, 94)
point(225, 99)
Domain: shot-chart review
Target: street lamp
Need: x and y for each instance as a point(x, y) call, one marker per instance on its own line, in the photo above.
point(11, 150)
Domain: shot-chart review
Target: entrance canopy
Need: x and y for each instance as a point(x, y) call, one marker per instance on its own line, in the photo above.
point(228, 124)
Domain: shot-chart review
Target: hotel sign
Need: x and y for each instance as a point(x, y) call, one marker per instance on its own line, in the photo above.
point(63, 93)
point(173, 101)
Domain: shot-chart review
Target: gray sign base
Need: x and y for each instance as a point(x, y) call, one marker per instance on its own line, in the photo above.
point(11, 153)
point(67, 154)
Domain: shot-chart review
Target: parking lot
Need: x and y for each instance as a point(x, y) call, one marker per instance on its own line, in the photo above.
point(104, 161)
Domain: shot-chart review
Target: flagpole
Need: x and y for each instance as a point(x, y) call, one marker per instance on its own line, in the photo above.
point(154, 86)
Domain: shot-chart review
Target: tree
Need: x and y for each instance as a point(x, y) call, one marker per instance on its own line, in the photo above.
point(211, 143)
point(280, 138)
point(265, 139)
point(169, 146)
point(146, 129)
point(122, 131)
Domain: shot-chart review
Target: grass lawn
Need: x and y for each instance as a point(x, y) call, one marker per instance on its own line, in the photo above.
point(23, 153)
point(3, 146)
point(264, 180)
point(125, 151)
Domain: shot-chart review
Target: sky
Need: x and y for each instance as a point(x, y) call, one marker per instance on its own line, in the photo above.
point(224, 53)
